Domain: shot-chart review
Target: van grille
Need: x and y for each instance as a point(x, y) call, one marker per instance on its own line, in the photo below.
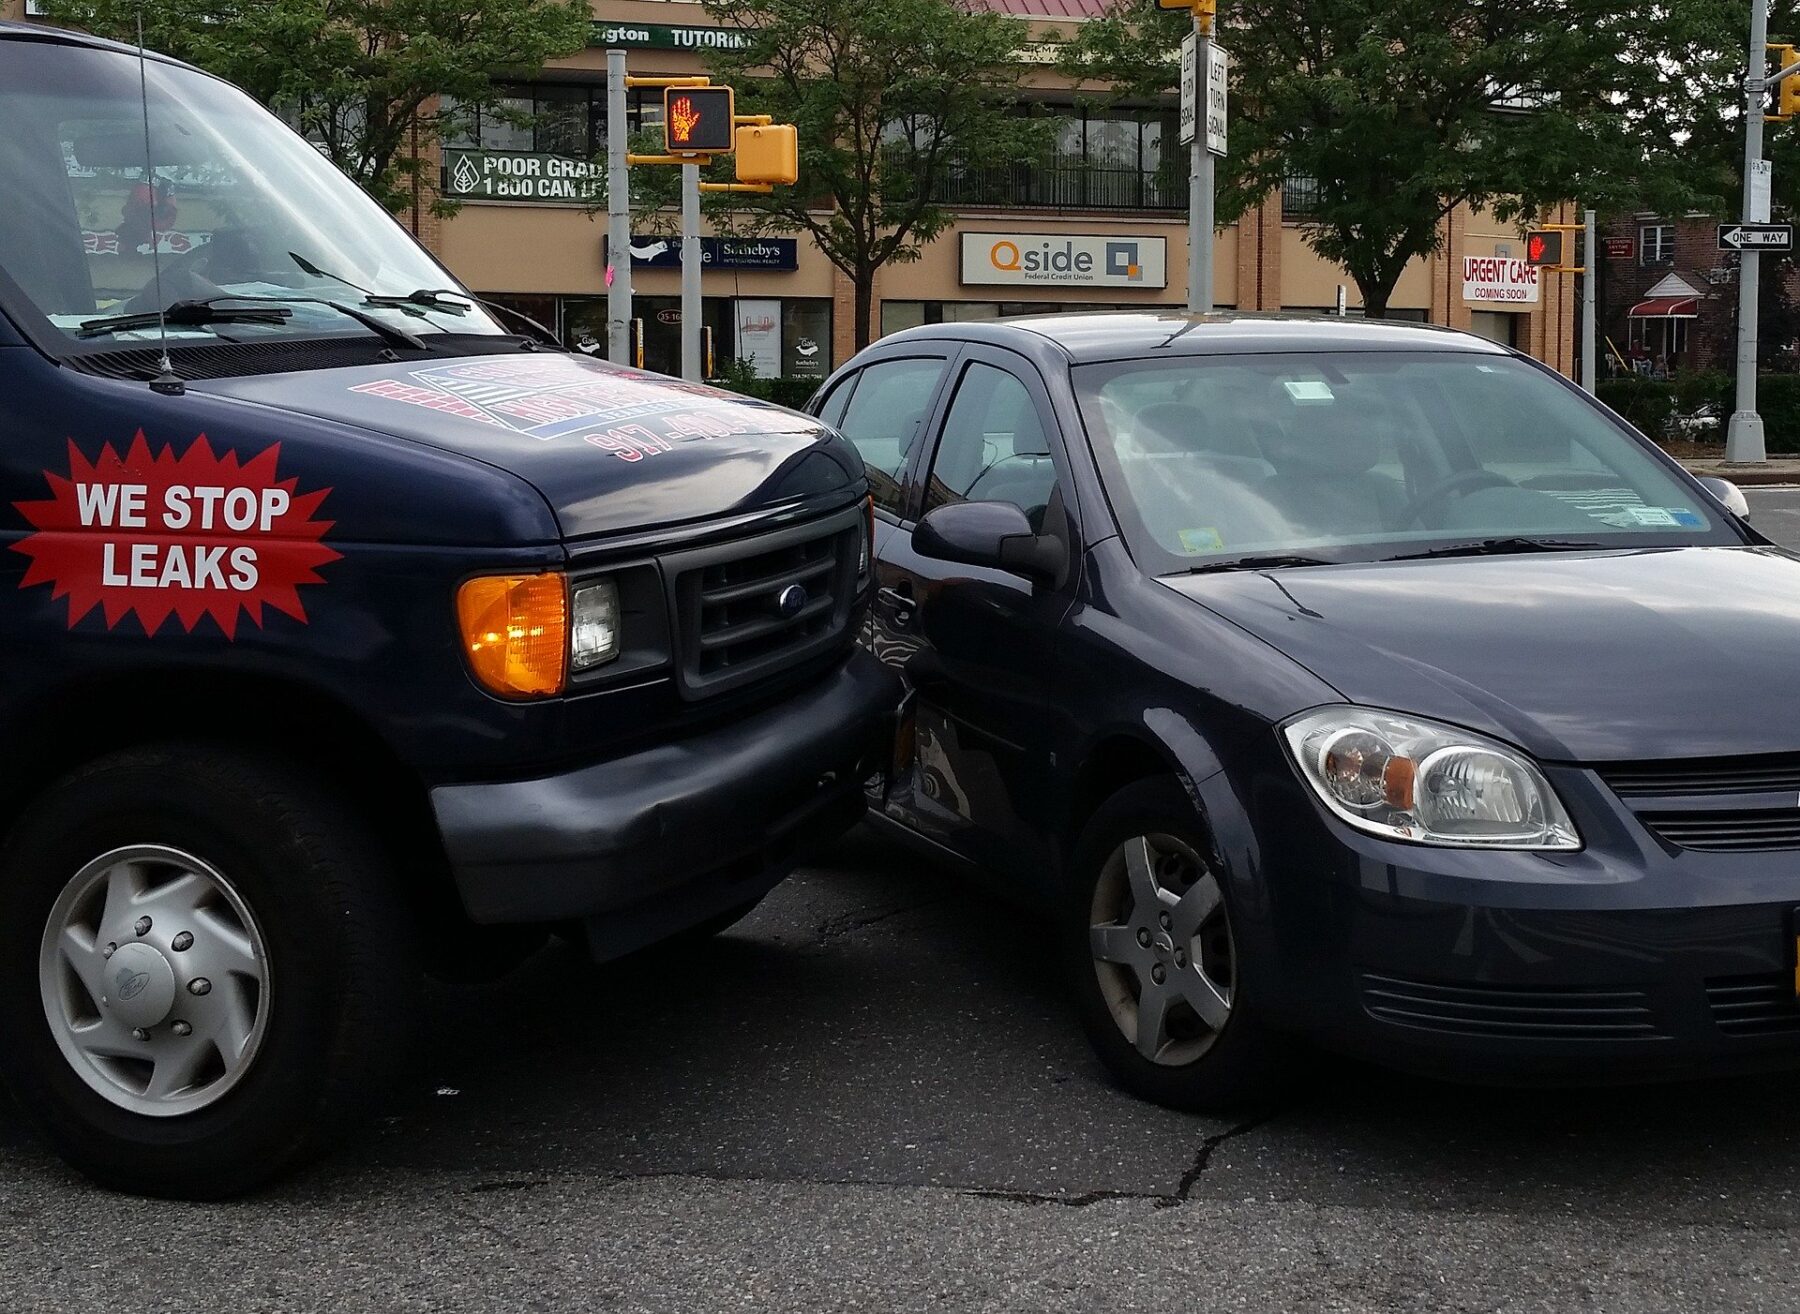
point(750, 609)
point(1524, 1012)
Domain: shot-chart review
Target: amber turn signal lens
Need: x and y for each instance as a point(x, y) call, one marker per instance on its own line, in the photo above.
point(515, 629)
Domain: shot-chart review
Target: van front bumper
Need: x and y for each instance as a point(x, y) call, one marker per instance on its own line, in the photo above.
point(666, 837)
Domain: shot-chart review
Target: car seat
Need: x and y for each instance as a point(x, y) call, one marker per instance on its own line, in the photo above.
point(1323, 455)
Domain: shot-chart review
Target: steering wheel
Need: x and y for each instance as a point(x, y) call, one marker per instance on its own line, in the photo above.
point(1458, 484)
point(204, 272)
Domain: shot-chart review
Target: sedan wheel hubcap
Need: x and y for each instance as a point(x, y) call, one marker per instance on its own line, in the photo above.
point(1162, 948)
point(154, 979)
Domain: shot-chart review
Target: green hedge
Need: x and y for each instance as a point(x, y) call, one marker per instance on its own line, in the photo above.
point(738, 377)
point(1650, 404)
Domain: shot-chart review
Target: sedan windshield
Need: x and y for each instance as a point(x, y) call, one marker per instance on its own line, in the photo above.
point(222, 195)
point(1269, 460)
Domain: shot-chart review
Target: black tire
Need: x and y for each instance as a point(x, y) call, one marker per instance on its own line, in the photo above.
point(1241, 1064)
point(343, 973)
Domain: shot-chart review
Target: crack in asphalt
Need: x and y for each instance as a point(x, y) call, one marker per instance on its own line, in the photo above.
point(1183, 1192)
point(1184, 1189)
point(835, 928)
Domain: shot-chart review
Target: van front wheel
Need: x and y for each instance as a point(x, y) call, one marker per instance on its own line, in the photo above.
point(204, 968)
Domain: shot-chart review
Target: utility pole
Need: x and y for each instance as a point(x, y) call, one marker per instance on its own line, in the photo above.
point(690, 272)
point(1590, 300)
point(1744, 435)
point(618, 215)
point(1200, 179)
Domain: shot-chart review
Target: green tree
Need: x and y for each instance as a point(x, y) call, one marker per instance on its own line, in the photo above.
point(374, 82)
point(893, 101)
point(1402, 110)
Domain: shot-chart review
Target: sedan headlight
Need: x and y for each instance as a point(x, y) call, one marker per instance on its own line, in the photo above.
point(594, 627)
point(1410, 779)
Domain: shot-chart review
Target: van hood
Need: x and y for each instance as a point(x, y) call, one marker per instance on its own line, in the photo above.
point(610, 449)
point(1577, 657)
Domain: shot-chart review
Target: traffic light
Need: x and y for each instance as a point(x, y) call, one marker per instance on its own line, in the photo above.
point(1205, 11)
point(768, 153)
point(697, 120)
point(1544, 247)
point(1789, 98)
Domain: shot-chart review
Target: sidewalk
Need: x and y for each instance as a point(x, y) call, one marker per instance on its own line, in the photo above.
point(1775, 470)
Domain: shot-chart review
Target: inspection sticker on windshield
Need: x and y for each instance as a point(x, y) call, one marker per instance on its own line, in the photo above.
point(1308, 390)
point(1196, 541)
point(1660, 516)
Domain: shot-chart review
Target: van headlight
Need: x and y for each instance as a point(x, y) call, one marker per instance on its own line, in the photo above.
point(594, 625)
point(1405, 778)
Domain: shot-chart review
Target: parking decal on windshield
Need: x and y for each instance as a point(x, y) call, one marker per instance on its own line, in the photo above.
point(628, 414)
point(190, 536)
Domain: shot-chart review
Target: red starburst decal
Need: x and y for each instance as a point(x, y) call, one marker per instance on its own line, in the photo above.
point(189, 536)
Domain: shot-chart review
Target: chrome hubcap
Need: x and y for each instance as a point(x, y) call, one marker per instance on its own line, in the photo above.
point(1162, 948)
point(154, 979)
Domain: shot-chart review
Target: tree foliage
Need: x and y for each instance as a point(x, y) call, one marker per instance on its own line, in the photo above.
point(375, 82)
point(891, 100)
point(1402, 110)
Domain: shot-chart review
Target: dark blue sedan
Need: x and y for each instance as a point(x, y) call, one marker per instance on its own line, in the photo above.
point(1359, 684)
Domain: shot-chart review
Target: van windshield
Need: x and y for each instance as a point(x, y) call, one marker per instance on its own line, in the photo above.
point(1219, 461)
point(226, 199)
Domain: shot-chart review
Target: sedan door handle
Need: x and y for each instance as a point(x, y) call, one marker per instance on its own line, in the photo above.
point(900, 605)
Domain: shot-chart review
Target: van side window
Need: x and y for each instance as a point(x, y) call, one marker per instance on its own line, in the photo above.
point(994, 448)
point(884, 418)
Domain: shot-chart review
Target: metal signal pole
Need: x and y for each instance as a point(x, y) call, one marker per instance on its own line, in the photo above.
point(618, 215)
point(1744, 435)
point(1590, 298)
point(1200, 180)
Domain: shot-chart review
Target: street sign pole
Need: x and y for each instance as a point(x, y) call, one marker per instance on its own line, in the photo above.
point(1590, 257)
point(618, 215)
point(690, 272)
point(1200, 181)
point(1744, 435)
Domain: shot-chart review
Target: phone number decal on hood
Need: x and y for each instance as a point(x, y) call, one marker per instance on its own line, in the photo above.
point(190, 536)
point(629, 414)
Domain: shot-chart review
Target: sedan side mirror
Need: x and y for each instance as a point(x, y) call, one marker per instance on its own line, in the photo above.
point(992, 534)
point(1728, 495)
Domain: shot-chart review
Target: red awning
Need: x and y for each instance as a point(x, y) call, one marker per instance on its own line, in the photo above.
point(1667, 308)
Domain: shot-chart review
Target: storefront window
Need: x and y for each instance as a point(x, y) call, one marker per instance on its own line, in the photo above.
point(1101, 159)
point(566, 119)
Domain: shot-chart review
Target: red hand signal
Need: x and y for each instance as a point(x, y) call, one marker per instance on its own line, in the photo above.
point(1534, 248)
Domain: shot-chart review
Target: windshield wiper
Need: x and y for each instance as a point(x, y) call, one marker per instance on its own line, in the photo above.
point(433, 299)
point(1495, 547)
point(1274, 562)
point(391, 334)
point(427, 299)
point(180, 314)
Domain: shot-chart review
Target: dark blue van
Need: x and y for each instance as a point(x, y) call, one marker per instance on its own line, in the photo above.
point(348, 632)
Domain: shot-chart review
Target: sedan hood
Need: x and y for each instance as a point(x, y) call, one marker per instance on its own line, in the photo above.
point(1577, 657)
point(610, 449)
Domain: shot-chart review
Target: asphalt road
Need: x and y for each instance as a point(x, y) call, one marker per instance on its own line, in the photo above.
point(1776, 512)
point(870, 1096)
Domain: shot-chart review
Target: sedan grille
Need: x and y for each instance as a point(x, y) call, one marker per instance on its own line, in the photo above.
point(1754, 1005)
point(1714, 804)
point(753, 608)
point(1729, 831)
point(1524, 1012)
point(1773, 773)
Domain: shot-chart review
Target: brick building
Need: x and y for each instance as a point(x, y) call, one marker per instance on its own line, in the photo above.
point(1668, 294)
point(524, 234)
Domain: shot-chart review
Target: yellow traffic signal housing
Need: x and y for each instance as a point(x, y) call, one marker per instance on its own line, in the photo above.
point(1205, 11)
point(768, 153)
point(1543, 247)
point(698, 120)
point(1789, 97)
